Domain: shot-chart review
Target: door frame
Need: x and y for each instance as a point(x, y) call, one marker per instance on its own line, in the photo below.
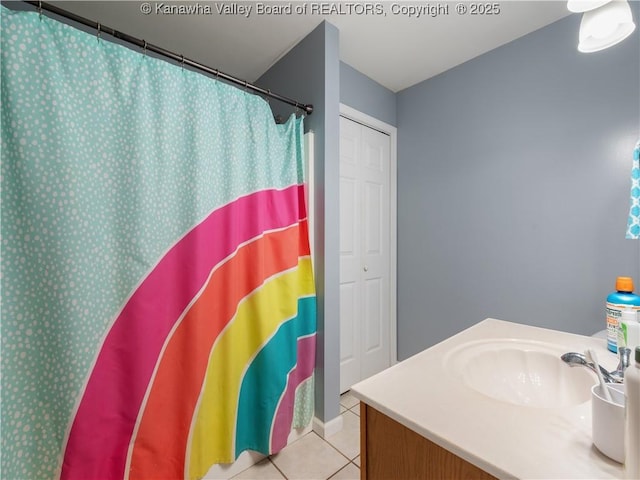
point(371, 122)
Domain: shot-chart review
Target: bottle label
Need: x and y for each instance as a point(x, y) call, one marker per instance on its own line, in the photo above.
point(614, 312)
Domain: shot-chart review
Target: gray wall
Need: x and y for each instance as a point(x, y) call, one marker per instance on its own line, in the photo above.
point(310, 73)
point(513, 187)
point(366, 95)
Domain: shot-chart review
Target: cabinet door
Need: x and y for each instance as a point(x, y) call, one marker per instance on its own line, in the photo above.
point(391, 450)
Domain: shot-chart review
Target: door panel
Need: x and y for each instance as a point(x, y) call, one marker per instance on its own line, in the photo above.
point(373, 202)
point(372, 318)
point(348, 216)
point(350, 295)
point(364, 252)
point(375, 177)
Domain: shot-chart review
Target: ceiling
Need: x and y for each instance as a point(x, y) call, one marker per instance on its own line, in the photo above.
point(393, 48)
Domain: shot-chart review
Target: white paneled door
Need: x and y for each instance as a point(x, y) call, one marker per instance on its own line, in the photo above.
point(364, 252)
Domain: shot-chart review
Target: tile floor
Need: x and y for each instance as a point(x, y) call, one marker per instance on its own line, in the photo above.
point(313, 458)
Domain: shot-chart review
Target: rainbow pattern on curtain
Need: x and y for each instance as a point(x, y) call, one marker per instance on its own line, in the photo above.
point(159, 310)
point(221, 338)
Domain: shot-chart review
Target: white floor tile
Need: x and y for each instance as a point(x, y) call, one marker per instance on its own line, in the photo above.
point(356, 409)
point(343, 409)
point(224, 471)
point(348, 400)
point(350, 472)
point(309, 458)
point(260, 471)
point(347, 440)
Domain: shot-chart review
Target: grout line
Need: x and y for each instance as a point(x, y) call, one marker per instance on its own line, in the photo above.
point(335, 473)
point(339, 451)
point(281, 472)
point(349, 460)
point(336, 449)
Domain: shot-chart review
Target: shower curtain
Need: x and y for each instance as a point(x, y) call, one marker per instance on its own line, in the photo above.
point(158, 305)
point(633, 222)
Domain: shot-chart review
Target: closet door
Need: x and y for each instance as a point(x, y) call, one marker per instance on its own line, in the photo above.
point(364, 252)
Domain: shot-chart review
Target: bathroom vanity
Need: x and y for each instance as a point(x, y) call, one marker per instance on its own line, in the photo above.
point(494, 401)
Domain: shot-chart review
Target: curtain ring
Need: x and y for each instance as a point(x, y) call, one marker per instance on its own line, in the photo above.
point(217, 74)
point(99, 31)
point(182, 62)
point(144, 47)
point(246, 83)
point(40, 9)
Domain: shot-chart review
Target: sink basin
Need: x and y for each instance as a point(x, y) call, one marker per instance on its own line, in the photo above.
point(520, 372)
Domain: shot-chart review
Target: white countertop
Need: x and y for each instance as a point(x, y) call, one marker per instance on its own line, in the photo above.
point(505, 440)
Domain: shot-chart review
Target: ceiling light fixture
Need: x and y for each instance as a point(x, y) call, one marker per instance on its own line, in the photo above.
point(605, 25)
point(579, 6)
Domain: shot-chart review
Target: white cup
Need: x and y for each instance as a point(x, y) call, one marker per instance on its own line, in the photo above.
point(607, 421)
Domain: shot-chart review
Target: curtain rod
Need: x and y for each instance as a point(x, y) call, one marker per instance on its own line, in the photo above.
point(307, 108)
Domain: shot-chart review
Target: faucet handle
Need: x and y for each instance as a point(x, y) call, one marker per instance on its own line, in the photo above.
point(625, 354)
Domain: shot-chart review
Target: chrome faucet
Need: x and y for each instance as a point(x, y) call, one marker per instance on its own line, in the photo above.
point(625, 355)
point(617, 376)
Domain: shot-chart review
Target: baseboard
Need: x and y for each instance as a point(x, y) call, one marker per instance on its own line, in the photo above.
point(327, 429)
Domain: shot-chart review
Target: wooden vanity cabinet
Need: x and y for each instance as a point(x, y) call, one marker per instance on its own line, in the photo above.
point(391, 451)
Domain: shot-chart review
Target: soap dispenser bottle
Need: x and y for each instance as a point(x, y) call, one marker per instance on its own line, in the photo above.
point(616, 303)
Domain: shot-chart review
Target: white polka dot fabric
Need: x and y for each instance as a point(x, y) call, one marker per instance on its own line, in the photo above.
point(108, 157)
point(633, 224)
